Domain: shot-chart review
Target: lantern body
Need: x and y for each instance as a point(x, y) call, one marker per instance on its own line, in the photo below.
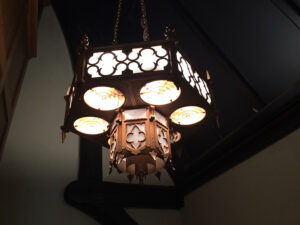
point(139, 132)
point(128, 69)
point(133, 94)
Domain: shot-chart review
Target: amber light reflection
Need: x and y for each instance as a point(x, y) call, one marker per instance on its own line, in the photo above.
point(159, 92)
point(104, 98)
point(188, 115)
point(91, 125)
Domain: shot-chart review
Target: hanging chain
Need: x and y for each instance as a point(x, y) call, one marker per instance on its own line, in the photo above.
point(116, 28)
point(144, 22)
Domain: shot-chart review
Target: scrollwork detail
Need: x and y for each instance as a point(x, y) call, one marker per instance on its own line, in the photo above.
point(193, 78)
point(113, 63)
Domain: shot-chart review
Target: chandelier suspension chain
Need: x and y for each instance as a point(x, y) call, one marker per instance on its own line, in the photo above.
point(136, 118)
point(116, 28)
point(144, 21)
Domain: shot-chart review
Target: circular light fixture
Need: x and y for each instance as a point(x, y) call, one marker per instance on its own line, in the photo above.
point(91, 125)
point(188, 115)
point(104, 98)
point(159, 92)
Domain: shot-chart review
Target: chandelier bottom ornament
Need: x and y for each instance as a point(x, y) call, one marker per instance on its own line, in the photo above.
point(139, 142)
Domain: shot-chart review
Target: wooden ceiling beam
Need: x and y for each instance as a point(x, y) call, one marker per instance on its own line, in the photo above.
point(273, 122)
point(103, 201)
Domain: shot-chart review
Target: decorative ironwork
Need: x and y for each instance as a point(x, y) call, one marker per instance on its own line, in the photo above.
point(192, 77)
point(136, 87)
point(175, 137)
point(113, 63)
point(145, 136)
point(113, 145)
point(163, 139)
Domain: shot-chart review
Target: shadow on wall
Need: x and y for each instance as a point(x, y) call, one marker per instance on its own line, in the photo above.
point(36, 167)
point(262, 190)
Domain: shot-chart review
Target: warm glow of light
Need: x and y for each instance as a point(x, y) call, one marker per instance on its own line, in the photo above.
point(188, 115)
point(115, 62)
point(104, 98)
point(91, 125)
point(159, 92)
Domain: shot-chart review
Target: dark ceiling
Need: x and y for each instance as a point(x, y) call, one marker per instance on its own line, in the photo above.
point(251, 49)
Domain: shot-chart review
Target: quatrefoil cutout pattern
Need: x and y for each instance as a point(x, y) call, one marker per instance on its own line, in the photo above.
point(113, 145)
point(162, 139)
point(139, 60)
point(136, 135)
point(192, 77)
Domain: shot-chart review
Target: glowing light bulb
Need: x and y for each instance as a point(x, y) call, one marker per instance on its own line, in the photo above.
point(104, 98)
point(91, 125)
point(188, 115)
point(159, 92)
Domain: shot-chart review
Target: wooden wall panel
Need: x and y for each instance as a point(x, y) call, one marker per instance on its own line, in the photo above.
point(2, 46)
point(18, 43)
point(12, 11)
point(32, 25)
point(3, 116)
point(14, 72)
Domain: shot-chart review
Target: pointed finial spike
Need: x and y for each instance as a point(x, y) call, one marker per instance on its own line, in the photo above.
point(153, 155)
point(85, 40)
point(130, 177)
point(63, 136)
point(84, 44)
point(218, 121)
point(207, 75)
point(110, 169)
point(255, 110)
point(158, 175)
point(141, 179)
point(170, 33)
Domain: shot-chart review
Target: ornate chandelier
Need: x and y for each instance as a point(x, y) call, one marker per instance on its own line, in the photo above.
point(141, 96)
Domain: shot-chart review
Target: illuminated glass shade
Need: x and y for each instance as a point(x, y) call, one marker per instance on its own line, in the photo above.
point(91, 125)
point(159, 92)
point(188, 115)
point(104, 98)
point(113, 63)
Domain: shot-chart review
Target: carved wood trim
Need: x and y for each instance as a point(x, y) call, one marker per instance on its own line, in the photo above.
point(32, 27)
point(273, 122)
point(16, 48)
point(8, 55)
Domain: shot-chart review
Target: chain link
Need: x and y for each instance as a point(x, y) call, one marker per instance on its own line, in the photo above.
point(144, 21)
point(116, 28)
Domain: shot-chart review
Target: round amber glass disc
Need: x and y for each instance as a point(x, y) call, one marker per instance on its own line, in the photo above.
point(91, 125)
point(188, 115)
point(159, 92)
point(104, 98)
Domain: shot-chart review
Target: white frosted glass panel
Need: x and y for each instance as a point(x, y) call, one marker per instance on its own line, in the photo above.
point(135, 135)
point(160, 118)
point(106, 63)
point(135, 114)
point(104, 98)
point(159, 92)
point(113, 63)
point(192, 77)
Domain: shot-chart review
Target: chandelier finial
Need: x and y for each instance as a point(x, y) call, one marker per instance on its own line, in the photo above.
point(84, 44)
point(170, 33)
